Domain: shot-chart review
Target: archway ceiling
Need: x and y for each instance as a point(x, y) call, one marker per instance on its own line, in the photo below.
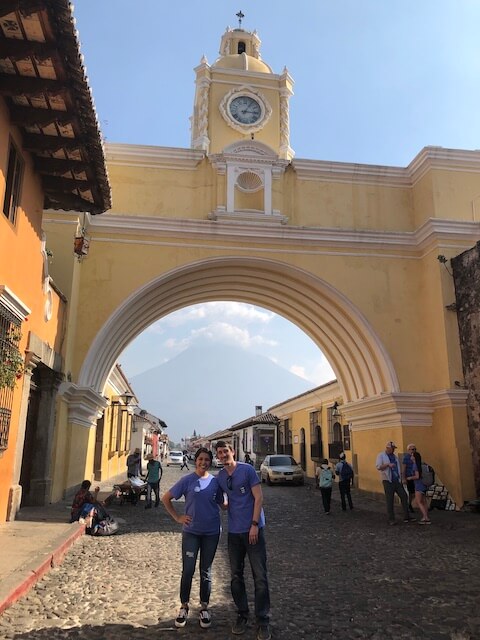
point(358, 358)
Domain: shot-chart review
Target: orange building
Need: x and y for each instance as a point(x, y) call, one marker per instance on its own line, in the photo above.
point(51, 157)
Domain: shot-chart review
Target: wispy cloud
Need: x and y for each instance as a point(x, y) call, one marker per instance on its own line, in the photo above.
point(211, 312)
point(220, 332)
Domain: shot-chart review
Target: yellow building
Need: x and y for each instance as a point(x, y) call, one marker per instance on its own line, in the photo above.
point(347, 252)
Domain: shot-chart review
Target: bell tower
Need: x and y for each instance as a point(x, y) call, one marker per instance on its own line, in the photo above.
point(239, 97)
point(241, 120)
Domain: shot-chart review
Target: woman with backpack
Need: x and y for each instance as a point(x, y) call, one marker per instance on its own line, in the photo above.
point(325, 482)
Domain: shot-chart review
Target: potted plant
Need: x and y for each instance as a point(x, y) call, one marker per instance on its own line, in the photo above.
point(11, 361)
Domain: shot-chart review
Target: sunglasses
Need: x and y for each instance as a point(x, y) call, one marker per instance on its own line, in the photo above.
point(230, 483)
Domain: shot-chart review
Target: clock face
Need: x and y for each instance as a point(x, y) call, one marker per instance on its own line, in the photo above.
point(245, 110)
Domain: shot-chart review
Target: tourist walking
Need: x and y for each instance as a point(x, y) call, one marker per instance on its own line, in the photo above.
point(184, 462)
point(345, 474)
point(246, 522)
point(325, 483)
point(389, 466)
point(201, 531)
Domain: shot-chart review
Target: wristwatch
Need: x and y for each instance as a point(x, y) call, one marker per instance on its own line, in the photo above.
point(254, 523)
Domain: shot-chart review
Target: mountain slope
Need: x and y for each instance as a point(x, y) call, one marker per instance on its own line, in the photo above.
point(211, 388)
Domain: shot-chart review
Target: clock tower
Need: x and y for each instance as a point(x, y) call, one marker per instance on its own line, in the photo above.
point(239, 97)
point(241, 121)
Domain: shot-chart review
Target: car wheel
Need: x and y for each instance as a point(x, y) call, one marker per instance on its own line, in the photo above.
point(301, 483)
point(269, 482)
point(262, 479)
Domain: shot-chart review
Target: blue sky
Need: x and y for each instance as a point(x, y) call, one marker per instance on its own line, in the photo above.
point(375, 82)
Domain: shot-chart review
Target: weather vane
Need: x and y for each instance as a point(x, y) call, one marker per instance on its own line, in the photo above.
point(240, 16)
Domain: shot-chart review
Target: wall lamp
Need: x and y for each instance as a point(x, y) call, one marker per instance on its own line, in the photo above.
point(126, 397)
point(335, 410)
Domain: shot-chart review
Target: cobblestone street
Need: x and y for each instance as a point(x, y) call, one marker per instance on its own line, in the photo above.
point(345, 576)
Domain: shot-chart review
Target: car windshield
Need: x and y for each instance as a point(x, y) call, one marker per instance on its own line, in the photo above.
point(176, 453)
point(281, 461)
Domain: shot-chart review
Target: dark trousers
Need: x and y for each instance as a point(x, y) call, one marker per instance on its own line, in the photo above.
point(344, 486)
point(238, 548)
point(326, 497)
point(392, 488)
point(191, 545)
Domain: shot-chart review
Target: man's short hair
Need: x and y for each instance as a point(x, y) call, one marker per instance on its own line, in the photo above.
point(222, 444)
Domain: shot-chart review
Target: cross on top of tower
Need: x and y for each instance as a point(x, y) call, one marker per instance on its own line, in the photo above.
point(240, 16)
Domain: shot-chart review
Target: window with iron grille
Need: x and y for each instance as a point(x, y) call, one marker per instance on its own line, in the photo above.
point(316, 445)
point(13, 184)
point(335, 439)
point(11, 365)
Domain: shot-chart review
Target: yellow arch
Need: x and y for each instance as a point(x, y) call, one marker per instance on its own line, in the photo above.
point(356, 354)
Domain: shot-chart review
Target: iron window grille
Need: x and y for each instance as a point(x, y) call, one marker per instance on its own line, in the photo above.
point(9, 341)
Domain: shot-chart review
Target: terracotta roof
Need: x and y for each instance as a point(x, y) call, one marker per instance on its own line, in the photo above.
point(43, 80)
point(263, 418)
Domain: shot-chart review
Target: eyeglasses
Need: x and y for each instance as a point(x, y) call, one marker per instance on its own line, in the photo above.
point(229, 483)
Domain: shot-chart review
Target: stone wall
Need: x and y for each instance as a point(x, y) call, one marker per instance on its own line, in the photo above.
point(466, 274)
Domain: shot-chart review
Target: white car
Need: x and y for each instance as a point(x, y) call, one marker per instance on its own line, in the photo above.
point(281, 468)
point(174, 457)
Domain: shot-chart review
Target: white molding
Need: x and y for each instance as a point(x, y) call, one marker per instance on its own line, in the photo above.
point(153, 157)
point(83, 403)
point(432, 232)
point(391, 410)
point(429, 158)
point(13, 303)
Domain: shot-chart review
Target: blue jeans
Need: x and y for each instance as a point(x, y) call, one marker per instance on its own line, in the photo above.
point(191, 545)
point(238, 548)
point(155, 487)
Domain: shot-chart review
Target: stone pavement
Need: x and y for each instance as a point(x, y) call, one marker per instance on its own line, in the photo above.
point(348, 575)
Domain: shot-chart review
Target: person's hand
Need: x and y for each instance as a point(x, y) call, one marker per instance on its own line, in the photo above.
point(184, 519)
point(392, 465)
point(253, 534)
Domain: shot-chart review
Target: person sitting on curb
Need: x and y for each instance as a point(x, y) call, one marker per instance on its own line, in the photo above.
point(83, 497)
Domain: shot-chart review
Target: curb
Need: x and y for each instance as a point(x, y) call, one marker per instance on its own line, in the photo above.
point(34, 574)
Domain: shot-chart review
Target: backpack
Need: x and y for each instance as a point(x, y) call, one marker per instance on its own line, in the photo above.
point(326, 478)
point(346, 472)
point(428, 475)
point(106, 527)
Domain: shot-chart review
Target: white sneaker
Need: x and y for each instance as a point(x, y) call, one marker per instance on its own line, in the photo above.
point(205, 618)
point(181, 619)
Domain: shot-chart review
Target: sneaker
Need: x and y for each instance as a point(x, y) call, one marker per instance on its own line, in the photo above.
point(409, 519)
point(240, 625)
point(391, 522)
point(205, 619)
point(263, 632)
point(181, 619)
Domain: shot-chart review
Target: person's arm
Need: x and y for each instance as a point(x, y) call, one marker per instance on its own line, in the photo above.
point(257, 510)
point(167, 501)
point(381, 465)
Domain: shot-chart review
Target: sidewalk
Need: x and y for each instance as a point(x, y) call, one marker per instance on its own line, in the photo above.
point(36, 542)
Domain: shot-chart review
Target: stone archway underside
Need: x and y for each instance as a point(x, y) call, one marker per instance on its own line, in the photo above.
point(358, 358)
